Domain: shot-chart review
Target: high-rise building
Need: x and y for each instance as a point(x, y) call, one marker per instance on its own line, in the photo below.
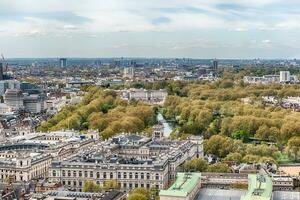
point(14, 98)
point(8, 84)
point(98, 63)
point(215, 65)
point(1, 71)
point(63, 62)
point(284, 77)
point(34, 103)
point(128, 72)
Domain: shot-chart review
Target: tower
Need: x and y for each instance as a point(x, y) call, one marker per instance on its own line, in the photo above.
point(215, 65)
point(1, 71)
point(63, 62)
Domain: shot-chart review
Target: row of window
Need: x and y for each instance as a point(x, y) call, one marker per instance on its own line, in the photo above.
point(105, 175)
point(125, 185)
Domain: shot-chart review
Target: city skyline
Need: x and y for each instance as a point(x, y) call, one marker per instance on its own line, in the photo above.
point(218, 28)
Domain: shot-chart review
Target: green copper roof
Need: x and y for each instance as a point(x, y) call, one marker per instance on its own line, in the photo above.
point(184, 184)
point(259, 190)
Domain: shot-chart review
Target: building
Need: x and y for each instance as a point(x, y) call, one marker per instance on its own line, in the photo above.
point(4, 108)
point(215, 65)
point(69, 195)
point(14, 98)
point(128, 72)
point(1, 71)
point(185, 187)
point(63, 62)
point(79, 83)
point(132, 160)
point(26, 157)
point(8, 84)
point(285, 77)
point(34, 103)
point(260, 187)
point(149, 96)
point(30, 88)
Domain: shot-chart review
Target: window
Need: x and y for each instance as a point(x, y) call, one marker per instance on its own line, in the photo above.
point(136, 185)
point(157, 176)
point(80, 183)
point(69, 173)
point(136, 175)
point(63, 173)
point(124, 185)
point(130, 175)
point(91, 174)
point(69, 182)
point(80, 173)
point(85, 174)
point(142, 185)
point(104, 175)
point(111, 176)
point(124, 175)
point(54, 173)
point(142, 175)
point(64, 183)
point(148, 176)
point(74, 173)
point(98, 175)
point(130, 185)
point(148, 186)
point(74, 183)
point(119, 174)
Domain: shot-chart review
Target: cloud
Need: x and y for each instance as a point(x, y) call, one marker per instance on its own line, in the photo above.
point(160, 20)
point(70, 27)
point(266, 41)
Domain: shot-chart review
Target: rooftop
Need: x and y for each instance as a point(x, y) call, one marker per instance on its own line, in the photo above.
point(260, 188)
point(184, 184)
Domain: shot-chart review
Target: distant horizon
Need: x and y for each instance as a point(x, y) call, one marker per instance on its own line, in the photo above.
point(191, 58)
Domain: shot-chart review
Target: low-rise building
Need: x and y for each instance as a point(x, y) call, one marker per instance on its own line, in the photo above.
point(149, 96)
point(132, 160)
point(185, 187)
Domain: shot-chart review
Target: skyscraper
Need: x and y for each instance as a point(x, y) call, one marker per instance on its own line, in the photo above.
point(128, 72)
point(284, 77)
point(1, 71)
point(215, 65)
point(63, 62)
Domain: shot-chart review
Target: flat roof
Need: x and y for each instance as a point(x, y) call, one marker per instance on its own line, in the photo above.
point(184, 184)
point(258, 190)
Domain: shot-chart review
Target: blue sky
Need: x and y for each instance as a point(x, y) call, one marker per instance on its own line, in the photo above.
point(150, 28)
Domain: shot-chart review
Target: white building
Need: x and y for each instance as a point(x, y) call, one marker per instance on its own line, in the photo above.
point(149, 96)
point(14, 98)
point(4, 108)
point(128, 72)
point(34, 103)
point(285, 77)
point(132, 160)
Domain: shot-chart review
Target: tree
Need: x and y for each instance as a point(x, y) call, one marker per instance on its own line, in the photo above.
point(197, 164)
point(241, 135)
point(251, 159)
point(90, 186)
point(110, 184)
point(141, 191)
point(219, 168)
point(236, 157)
point(137, 196)
point(293, 147)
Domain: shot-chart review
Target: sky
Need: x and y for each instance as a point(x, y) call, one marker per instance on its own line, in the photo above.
point(150, 28)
